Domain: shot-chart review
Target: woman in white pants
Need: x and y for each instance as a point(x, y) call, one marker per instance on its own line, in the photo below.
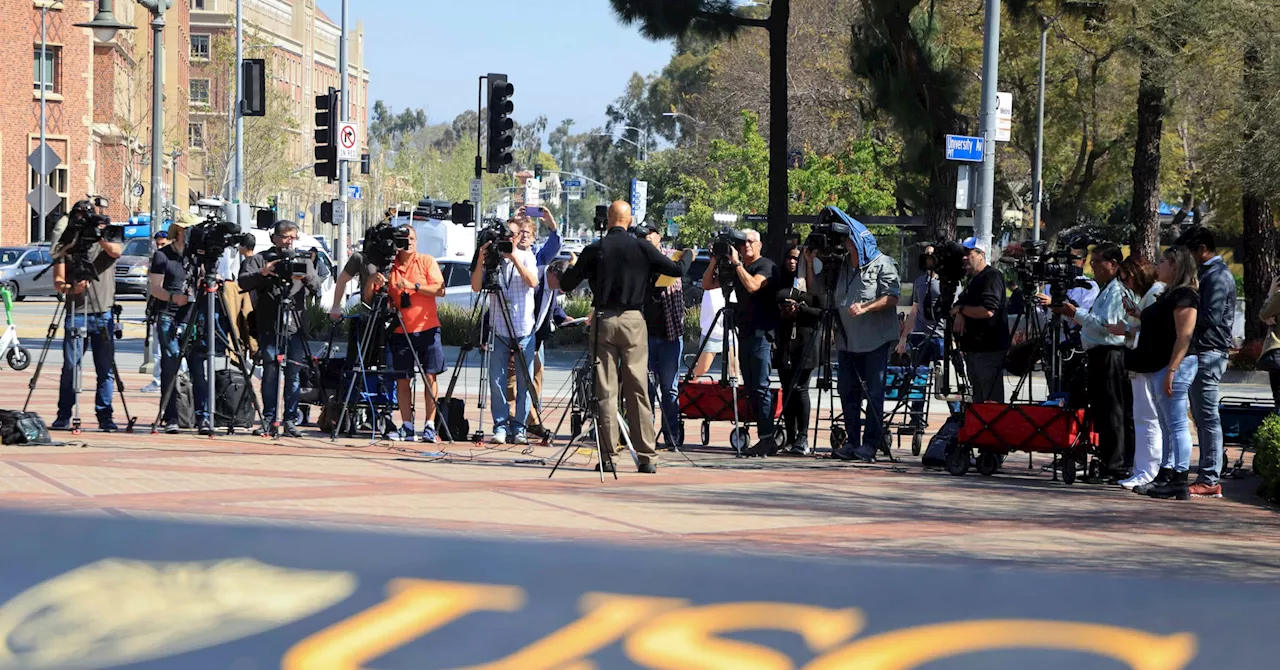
point(1140, 276)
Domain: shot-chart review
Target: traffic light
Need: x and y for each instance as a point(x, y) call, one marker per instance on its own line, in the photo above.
point(327, 135)
point(271, 202)
point(537, 172)
point(501, 127)
point(326, 211)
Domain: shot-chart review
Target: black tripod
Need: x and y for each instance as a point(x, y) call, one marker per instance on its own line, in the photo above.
point(738, 436)
point(215, 307)
point(79, 268)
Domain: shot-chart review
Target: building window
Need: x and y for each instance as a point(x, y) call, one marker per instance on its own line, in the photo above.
point(200, 46)
point(197, 4)
point(195, 135)
point(199, 91)
point(46, 68)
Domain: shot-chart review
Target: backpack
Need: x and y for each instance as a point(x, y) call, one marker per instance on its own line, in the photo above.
point(942, 443)
point(186, 401)
point(22, 428)
point(234, 404)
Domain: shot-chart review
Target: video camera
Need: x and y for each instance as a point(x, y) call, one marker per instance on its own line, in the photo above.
point(721, 245)
point(381, 244)
point(1037, 265)
point(207, 241)
point(827, 240)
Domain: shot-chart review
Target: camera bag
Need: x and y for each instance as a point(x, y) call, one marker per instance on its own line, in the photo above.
point(234, 404)
point(24, 428)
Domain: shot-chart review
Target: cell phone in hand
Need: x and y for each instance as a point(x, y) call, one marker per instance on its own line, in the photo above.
point(533, 212)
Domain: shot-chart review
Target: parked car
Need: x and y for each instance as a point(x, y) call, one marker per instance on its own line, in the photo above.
point(457, 283)
point(20, 269)
point(133, 265)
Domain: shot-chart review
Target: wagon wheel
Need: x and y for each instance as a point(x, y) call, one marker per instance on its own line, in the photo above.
point(738, 440)
point(706, 432)
point(1068, 466)
point(988, 463)
point(958, 460)
point(917, 441)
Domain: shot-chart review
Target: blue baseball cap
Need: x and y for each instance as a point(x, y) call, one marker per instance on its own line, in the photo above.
point(975, 243)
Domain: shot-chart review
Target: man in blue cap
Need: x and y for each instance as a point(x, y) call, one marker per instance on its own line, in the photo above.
point(981, 324)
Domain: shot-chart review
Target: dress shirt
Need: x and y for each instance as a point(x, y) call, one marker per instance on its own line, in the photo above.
point(1107, 309)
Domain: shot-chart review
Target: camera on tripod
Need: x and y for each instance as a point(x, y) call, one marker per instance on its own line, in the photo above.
point(1037, 265)
point(826, 240)
point(381, 244)
point(207, 241)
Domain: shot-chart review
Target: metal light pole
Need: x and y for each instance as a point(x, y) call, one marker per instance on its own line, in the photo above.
point(44, 85)
point(341, 245)
point(1037, 174)
point(990, 82)
point(173, 193)
point(237, 188)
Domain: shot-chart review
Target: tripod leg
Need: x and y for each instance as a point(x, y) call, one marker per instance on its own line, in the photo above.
point(44, 353)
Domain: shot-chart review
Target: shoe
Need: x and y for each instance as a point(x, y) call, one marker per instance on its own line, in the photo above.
point(519, 438)
point(403, 434)
point(538, 431)
point(647, 468)
point(800, 448)
point(608, 466)
point(172, 429)
point(848, 453)
point(1162, 477)
point(499, 437)
point(1175, 488)
point(429, 434)
point(107, 426)
point(764, 448)
point(206, 430)
point(60, 424)
point(1118, 476)
point(1134, 481)
point(291, 430)
point(259, 432)
point(150, 388)
point(1203, 490)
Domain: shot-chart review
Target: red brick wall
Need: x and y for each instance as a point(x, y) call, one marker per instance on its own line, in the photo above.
point(68, 120)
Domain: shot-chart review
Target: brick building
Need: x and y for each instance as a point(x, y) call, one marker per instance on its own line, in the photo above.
point(300, 44)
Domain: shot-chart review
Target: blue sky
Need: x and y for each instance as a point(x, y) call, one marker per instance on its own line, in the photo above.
point(566, 58)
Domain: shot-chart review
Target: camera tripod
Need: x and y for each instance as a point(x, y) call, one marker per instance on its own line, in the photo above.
point(215, 307)
point(381, 322)
point(79, 269)
point(738, 436)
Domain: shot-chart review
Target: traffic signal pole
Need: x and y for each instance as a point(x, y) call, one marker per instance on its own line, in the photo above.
point(341, 246)
point(982, 228)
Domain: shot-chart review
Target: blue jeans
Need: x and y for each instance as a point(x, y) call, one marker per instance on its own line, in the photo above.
point(1204, 406)
point(857, 370)
point(753, 357)
point(664, 363)
point(294, 360)
point(169, 338)
point(99, 331)
point(1172, 414)
point(498, 360)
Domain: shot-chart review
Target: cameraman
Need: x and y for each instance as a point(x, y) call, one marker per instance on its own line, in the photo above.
point(414, 285)
point(619, 269)
point(920, 331)
point(757, 280)
point(801, 312)
point(866, 293)
point(168, 277)
point(512, 323)
point(276, 330)
point(90, 288)
point(981, 324)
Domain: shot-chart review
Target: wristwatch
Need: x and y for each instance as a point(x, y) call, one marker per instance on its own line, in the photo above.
point(417, 288)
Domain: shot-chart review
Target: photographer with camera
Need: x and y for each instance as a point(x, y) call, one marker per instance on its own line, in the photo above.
point(544, 299)
point(1109, 392)
point(619, 269)
point(756, 280)
point(414, 284)
point(797, 356)
point(511, 270)
point(866, 300)
point(920, 330)
point(981, 324)
point(170, 291)
point(84, 272)
point(664, 312)
point(280, 280)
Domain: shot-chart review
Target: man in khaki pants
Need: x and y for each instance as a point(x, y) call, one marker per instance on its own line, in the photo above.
point(619, 269)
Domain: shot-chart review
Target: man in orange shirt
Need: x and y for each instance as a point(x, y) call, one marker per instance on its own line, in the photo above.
point(414, 285)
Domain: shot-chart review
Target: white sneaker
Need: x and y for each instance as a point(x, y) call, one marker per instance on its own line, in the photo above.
point(150, 388)
point(1136, 480)
point(499, 437)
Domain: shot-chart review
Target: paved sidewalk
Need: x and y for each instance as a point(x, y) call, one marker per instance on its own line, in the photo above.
point(712, 500)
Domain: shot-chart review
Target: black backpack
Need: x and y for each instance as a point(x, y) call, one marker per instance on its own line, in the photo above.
point(22, 428)
point(942, 443)
point(234, 405)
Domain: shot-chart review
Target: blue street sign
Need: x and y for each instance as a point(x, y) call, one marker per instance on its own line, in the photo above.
point(302, 216)
point(572, 183)
point(354, 192)
point(964, 148)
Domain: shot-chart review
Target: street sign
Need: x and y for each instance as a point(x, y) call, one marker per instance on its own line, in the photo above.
point(1004, 117)
point(348, 142)
point(51, 199)
point(639, 199)
point(573, 183)
point(964, 187)
point(302, 216)
point(51, 159)
point(673, 229)
point(339, 212)
point(964, 148)
point(755, 218)
point(574, 194)
point(476, 190)
point(355, 192)
point(674, 208)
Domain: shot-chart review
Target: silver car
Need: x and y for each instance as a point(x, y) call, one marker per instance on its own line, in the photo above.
point(457, 283)
point(20, 269)
point(133, 266)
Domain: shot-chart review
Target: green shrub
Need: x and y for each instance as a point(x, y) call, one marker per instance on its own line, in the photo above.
point(455, 324)
point(1266, 458)
point(692, 328)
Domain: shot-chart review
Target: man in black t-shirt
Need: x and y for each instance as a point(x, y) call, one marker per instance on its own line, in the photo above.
point(168, 279)
point(756, 320)
point(981, 324)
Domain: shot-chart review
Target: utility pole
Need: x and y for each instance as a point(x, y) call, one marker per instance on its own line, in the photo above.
point(341, 245)
point(157, 114)
point(237, 188)
point(990, 80)
point(1037, 176)
point(44, 85)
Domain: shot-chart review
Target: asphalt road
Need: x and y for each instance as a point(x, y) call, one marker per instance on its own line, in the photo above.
point(154, 595)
